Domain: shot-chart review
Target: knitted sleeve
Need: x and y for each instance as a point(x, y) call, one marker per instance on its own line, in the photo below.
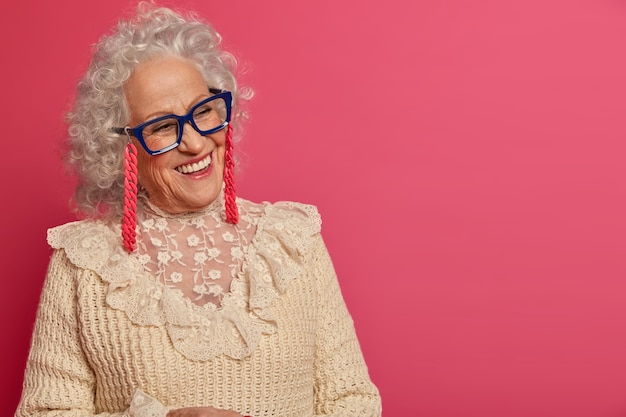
point(342, 383)
point(58, 379)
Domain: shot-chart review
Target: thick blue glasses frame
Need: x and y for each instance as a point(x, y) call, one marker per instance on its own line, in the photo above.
point(137, 131)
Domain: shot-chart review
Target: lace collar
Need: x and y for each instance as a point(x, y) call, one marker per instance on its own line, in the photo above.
point(216, 207)
point(274, 258)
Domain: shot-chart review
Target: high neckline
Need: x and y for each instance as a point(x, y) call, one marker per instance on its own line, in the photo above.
point(216, 206)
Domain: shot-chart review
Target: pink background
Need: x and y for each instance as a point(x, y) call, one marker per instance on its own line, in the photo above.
point(467, 158)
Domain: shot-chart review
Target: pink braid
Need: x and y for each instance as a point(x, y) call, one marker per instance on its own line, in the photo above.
point(232, 212)
point(130, 197)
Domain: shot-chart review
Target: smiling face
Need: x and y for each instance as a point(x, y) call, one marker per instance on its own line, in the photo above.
point(190, 176)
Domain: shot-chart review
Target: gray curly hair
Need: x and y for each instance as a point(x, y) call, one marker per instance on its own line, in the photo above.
point(95, 155)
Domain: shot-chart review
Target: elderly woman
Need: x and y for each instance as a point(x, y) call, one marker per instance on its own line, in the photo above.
point(173, 296)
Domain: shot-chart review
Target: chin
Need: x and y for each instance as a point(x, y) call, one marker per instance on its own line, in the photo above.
point(199, 202)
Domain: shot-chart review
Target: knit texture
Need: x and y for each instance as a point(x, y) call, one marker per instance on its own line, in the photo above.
point(100, 347)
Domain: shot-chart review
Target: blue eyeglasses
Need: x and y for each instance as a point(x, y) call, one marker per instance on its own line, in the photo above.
point(165, 133)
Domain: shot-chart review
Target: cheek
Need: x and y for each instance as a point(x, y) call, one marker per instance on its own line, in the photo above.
point(221, 151)
point(150, 168)
point(220, 142)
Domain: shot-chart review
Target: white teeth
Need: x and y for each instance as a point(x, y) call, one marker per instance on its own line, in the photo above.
point(197, 166)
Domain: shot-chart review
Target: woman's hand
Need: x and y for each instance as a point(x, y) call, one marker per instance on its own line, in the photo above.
point(202, 412)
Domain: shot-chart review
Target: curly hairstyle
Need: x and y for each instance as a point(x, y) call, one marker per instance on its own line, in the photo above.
point(95, 155)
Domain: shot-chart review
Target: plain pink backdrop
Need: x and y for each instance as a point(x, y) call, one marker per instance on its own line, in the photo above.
point(468, 158)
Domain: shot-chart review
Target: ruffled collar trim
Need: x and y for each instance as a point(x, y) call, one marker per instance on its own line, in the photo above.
point(275, 258)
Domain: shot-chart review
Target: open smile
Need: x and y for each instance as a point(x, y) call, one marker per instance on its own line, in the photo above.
point(195, 167)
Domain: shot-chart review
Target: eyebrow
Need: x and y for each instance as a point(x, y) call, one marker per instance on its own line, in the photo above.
point(157, 114)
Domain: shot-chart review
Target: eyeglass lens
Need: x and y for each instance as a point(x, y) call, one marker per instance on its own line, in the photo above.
point(163, 133)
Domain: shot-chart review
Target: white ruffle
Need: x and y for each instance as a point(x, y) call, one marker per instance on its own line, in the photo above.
point(143, 405)
point(274, 260)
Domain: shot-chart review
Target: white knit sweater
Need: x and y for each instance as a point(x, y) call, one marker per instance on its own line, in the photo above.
point(111, 340)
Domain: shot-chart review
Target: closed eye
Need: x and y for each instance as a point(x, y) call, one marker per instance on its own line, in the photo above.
point(203, 111)
point(163, 128)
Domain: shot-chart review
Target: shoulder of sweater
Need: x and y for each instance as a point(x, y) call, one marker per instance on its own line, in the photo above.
point(299, 213)
point(97, 229)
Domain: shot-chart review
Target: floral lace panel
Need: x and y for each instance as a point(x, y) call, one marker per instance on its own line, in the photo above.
point(195, 256)
point(168, 280)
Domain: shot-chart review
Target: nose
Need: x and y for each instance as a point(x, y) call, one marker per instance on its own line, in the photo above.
point(192, 141)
